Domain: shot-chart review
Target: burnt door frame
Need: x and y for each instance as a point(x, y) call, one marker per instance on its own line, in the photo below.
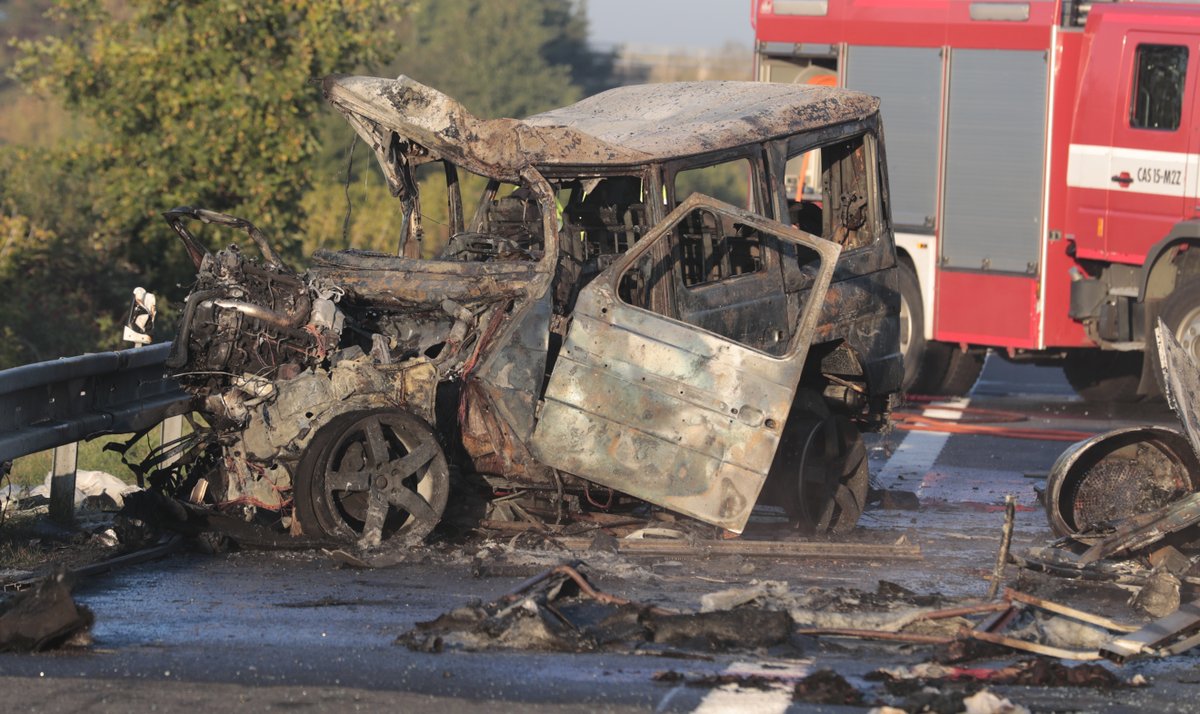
point(668, 412)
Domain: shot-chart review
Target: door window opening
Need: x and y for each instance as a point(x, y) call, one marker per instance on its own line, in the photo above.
point(832, 196)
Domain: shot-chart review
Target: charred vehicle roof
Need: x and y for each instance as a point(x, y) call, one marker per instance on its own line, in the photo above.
point(596, 335)
point(625, 126)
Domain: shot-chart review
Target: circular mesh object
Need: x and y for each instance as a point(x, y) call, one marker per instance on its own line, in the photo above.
point(1136, 479)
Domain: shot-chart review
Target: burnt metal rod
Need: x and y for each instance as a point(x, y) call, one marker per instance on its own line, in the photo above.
point(568, 570)
point(599, 595)
point(540, 577)
point(752, 548)
point(914, 639)
point(1010, 514)
point(964, 610)
point(1034, 647)
point(1080, 615)
point(998, 621)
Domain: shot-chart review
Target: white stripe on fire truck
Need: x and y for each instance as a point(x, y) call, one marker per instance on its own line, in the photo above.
point(1161, 173)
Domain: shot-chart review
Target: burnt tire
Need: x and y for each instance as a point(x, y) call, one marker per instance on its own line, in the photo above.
point(820, 475)
point(933, 368)
point(1180, 312)
point(1104, 375)
point(369, 476)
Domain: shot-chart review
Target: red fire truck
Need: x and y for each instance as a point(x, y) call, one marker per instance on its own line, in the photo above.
point(1044, 161)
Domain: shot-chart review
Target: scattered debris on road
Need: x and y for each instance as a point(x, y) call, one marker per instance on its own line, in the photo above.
point(560, 609)
point(44, 617)
point(1170, 635)
point(1126, 504)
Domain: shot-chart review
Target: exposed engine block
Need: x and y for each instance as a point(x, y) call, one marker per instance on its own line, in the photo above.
point(247, 324)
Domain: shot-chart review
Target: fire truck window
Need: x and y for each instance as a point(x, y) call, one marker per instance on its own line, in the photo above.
point(829, 192)
point(1157, 101)
point(729, 182)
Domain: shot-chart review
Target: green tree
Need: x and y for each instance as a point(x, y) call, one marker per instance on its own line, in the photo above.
point(201, 103)
point(64, 290)
point(592, 71)
point(506, 59)
point(20, 19)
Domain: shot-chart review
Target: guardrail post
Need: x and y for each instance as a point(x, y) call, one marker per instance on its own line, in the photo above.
point(62, 483)
point(172, 429)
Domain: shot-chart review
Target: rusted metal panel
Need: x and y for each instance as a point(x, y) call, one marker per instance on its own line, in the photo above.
point(425, 282)
point(499, 397)
point(514, 370)
point(667, 412)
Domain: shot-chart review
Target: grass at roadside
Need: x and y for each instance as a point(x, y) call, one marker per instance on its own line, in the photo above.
point(24, 545)
point(20, 549)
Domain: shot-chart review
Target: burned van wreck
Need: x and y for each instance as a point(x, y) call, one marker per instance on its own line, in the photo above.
point(597, 332)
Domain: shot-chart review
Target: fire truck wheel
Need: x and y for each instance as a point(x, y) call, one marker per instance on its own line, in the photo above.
point(1180, 312)
point(1104, 375)
point(961, 372)
point(912, 325)
point(934, 368)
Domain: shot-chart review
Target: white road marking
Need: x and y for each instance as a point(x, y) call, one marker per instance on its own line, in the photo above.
point(732, 698)
point(919, 451)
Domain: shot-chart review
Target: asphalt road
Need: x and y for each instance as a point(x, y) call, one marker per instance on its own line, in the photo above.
point(250, 631)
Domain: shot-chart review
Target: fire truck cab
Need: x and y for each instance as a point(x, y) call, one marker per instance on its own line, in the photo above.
point(1044, 170)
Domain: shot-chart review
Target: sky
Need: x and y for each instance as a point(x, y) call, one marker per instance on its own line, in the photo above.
point(698, 24)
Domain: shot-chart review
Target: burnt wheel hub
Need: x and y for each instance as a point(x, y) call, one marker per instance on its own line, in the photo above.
point(370, 476)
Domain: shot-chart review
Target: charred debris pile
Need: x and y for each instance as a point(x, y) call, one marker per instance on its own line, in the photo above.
point(948, 650)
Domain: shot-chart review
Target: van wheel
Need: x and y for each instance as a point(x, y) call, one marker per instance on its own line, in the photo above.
point(372, 475)
point(1180, 312)
point(1104, 375)
point(833, 477)
point(820, 475)
point(933, 368)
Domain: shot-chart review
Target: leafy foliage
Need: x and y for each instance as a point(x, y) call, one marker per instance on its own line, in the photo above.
point(144, 105)
point(505, 59)
point(202, 103)
point(64, 289)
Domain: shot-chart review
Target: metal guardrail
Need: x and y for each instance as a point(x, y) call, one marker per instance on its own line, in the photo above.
point(55, 404)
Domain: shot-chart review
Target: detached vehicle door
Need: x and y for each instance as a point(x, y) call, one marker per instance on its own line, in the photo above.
point(644, 400)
